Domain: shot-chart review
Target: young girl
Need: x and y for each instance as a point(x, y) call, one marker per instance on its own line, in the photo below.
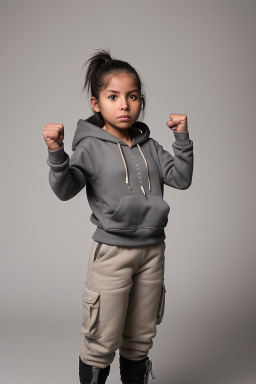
point(124, 171)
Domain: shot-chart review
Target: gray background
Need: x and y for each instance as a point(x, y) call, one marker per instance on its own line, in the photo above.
point(194, 57)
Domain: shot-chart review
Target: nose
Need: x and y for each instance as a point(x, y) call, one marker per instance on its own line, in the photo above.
point(124, 104)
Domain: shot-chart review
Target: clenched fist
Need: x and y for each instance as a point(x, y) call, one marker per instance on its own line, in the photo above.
point(178, 122)
point(53, 135)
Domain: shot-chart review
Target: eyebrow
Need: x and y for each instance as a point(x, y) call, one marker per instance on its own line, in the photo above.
point(113, 91)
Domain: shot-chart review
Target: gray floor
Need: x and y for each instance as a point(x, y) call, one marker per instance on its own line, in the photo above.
point(40, 353)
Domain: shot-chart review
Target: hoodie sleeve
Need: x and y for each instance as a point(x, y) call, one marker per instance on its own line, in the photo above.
point(177, 171)
point(68, 176)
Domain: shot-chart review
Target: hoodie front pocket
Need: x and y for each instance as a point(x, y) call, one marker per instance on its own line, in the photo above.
point(91, 313)
point(139, 211)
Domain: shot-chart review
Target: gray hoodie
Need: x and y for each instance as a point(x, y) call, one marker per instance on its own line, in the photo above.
point(124, 185)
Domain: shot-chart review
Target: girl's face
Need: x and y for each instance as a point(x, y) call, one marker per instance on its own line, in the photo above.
point(120, 97)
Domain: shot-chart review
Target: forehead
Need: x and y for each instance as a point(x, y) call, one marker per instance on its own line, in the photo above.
point(120, 82)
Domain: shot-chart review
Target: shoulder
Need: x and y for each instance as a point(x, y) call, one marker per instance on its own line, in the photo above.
point(90, 146)
point(88, 150)
point(87, 142)
point(154, 142)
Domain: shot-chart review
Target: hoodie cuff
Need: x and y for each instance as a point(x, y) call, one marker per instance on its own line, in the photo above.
point(182, 138)
point(57, 156)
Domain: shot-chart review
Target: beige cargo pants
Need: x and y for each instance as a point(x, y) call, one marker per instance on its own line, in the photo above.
point(123, 301)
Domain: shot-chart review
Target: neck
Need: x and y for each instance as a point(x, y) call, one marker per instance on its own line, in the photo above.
point(123, 134)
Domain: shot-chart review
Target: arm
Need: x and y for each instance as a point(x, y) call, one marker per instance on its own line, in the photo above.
point(68, 176)
point(177, 171)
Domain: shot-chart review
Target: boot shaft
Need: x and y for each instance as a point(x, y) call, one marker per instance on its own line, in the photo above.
point(92, 375)
point(135, 372)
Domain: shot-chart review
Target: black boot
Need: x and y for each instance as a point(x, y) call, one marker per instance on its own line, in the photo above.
point(135, 372)
point(90, 375)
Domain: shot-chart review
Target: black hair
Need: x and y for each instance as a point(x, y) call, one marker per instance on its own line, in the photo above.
point(100, 64)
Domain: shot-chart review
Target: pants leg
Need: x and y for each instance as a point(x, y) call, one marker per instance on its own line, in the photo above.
point(120, 301)
point(144, 306)
point(105, 301)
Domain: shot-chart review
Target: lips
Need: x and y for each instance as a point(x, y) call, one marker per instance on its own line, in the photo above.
point(124, 116)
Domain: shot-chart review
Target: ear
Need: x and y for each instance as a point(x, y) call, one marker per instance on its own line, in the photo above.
point(95, 104)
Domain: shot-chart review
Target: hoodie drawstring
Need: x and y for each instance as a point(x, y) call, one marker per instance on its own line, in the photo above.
point(126, 169)
point(142, 154)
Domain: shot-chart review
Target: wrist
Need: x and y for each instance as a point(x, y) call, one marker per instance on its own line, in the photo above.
point(57, 149)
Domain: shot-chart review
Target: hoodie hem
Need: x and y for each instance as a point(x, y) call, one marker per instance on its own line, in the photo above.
point(137, 238)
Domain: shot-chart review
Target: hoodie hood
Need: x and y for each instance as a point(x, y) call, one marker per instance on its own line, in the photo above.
point(140, 133)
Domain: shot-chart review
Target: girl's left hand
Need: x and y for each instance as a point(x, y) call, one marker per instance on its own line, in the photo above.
point(177, 122)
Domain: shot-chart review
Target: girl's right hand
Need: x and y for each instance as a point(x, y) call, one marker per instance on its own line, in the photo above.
point(53, 135)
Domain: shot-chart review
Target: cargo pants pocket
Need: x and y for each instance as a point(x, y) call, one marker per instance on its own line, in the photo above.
point(161, 306)
point(91, 313)
point(97, 250)
point(100, 250)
